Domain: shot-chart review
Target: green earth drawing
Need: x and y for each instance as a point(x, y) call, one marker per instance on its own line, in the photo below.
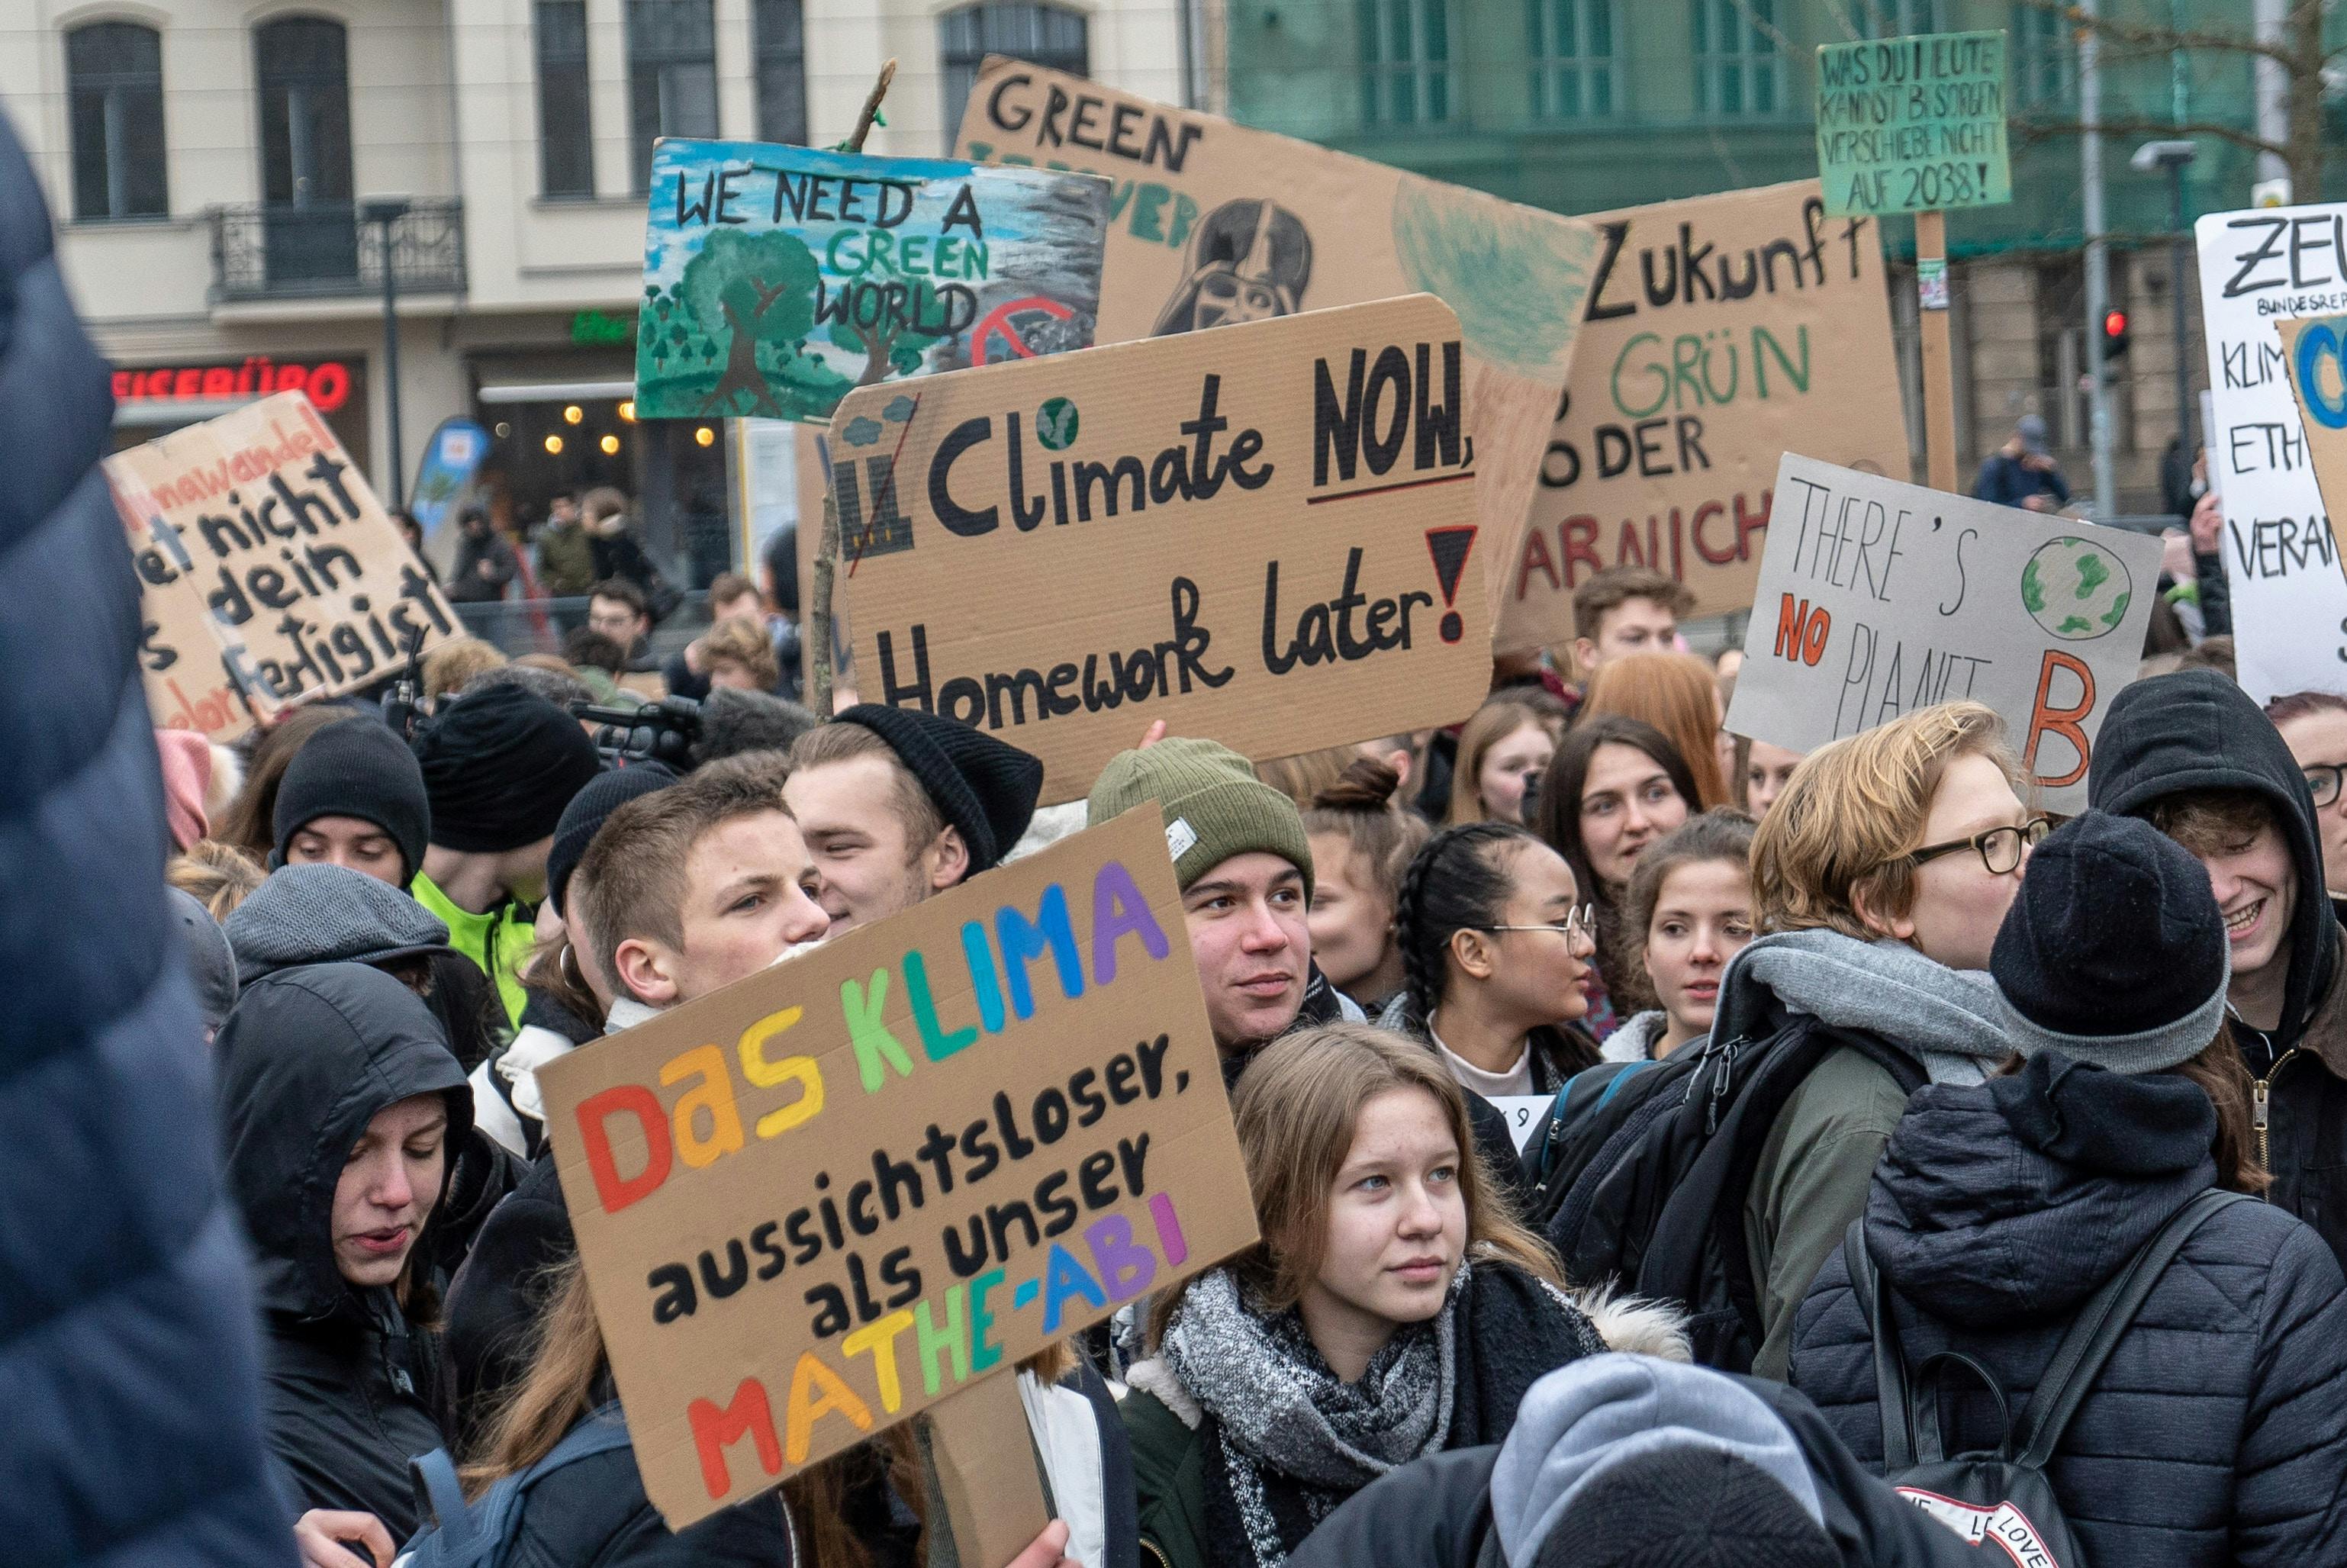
point(2076, 590)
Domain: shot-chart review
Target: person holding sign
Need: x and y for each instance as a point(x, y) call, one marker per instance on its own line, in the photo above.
point(1691, 901)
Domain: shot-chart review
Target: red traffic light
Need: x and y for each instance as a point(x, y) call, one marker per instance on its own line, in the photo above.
point(2114, 324)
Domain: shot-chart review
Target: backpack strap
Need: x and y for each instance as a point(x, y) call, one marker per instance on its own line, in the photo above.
point(2096, 1330)
point(439, 1496)
point(600, 1432)
point(1890, 1397)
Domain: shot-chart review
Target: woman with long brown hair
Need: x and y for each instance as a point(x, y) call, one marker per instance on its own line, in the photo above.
point(1502, 748)
point(1676, 693)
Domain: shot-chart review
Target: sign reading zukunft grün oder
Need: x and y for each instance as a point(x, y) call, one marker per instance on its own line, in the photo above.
point(1912, 125)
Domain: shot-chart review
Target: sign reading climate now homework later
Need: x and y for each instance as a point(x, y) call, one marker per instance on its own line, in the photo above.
point(1912, 125)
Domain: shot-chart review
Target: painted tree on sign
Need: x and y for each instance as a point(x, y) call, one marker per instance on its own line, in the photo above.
point(887, 343)
point(759, 288)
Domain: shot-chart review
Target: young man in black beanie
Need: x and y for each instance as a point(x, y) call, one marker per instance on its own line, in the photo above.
point(897, 804)
point(499, 768)
point(353, 796)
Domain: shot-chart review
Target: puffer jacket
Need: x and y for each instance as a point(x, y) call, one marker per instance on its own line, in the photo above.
point(2196, 730)
point(2213, 1435)
point(133, 1431)
point(307, 1058)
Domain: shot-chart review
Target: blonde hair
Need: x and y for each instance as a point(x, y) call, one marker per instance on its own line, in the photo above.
point(1676, 693)
point(1853, 812)
point(1494, 721)
point(1305, 775)
point(744, 643)
point(1298, 1106)
point(450, 666)
point(218, 875)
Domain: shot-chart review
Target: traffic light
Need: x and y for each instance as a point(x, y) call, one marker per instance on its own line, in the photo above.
point(2115, 336)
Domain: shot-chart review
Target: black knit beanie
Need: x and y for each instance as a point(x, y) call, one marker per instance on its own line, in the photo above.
point(2114, 952)
point(1684, 1507)
point(985, 787)
point(589, 810)
point(499, 766)
point(358, 767)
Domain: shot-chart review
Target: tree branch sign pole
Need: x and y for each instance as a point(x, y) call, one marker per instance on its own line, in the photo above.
point(1917, 125)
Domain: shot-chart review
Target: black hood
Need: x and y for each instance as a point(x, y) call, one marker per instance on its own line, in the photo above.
point(2196, 730)
point(2010, 1202)
point(306, 1060)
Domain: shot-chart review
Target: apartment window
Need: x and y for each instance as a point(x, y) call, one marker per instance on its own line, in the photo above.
point(2040, 68)
point(1573, 58)
point(565, 127)
point(1408, 76)
point(1898, 18)
point(779, 42)
point(671, 75)
point(114, 72)
point(1739, 67)
point(1046, 36)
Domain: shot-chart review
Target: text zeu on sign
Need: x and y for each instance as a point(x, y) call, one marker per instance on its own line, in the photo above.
point(828, 1197)
point(1265, 533)
point(1878, 598)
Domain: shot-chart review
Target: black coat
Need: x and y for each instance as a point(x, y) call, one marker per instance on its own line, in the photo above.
point(494, 1302)
point(132, 1430)
point(2214, 1434)
point(2196, 730)
point(307, 1058)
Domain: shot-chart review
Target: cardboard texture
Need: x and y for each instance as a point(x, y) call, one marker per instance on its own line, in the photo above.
point(264, 562)
point(1912, 125)
point(1266, 535)
point(2257, 269)
point(993, 1492)
point(1720, 331)
point(1212, 223)
point(816, 1203)
point(1878, 598)
point(777, 279)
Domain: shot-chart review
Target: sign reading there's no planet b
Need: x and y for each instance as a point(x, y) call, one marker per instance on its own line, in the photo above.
point(1878, 597)
point(779, 279)
point(1266, 534)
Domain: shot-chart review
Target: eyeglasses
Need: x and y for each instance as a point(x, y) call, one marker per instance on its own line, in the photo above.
point(2323, 778)
point(1576, 923)
point(1999, 848)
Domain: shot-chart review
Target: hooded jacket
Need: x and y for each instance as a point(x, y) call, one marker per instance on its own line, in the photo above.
point(2195, 730)
point(307, 1058)
point(2212, 1435)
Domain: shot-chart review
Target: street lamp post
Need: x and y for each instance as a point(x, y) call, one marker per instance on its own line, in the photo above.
point(2173, 156)
point(384, 212)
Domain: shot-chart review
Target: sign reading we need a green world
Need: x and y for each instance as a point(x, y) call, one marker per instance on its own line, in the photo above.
point(1912, 125)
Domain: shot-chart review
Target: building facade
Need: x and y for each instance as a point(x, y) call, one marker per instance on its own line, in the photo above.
point(232, 181)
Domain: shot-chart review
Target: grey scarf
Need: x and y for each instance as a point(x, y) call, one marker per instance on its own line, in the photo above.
point(1950, 1020)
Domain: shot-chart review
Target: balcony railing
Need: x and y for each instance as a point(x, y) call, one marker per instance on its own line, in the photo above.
point(328, 249)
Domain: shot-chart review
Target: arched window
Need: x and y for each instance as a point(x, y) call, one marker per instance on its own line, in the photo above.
point(1049, 36)
point(114, 72)
point(310, 228)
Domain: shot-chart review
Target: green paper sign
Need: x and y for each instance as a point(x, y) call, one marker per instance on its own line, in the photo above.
point(1912, 125)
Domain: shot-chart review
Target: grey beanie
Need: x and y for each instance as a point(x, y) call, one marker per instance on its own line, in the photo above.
point(328, 914)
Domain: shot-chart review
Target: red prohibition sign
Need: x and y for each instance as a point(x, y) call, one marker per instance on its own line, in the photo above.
point(998, 324)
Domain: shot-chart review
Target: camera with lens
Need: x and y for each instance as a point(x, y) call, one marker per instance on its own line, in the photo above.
point(665, 732)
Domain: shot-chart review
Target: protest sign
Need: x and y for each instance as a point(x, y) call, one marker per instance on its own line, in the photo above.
point(1878, 598)
point(777, 279)
point(1212, 223)
point(1265, 535)
point(1720, 331)
point(258, 520)
point(2258, 268)
point(825, 1197)
point(2314, 355)
point(1912, 125)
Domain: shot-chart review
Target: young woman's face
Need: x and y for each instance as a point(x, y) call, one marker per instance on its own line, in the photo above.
point(1538, 975)
point(1627, 802)
point(1512, 760)
point(1350, 920)
point(1766, 770)
point(2318, 741)
point(1397, 1226)
point(388, 1185)
point(1702, 917)
point(1959, 902)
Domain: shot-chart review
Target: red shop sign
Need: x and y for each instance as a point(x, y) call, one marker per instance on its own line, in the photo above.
point(328, 382)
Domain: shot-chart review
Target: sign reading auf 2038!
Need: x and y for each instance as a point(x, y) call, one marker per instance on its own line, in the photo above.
point(1912, 125)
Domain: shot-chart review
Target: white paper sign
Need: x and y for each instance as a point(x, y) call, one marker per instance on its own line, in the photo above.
point(1523, 1112)
point(1878, 597)
point(2290, 601)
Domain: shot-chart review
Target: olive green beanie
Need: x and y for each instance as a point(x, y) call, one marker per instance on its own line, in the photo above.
point(1214, 807)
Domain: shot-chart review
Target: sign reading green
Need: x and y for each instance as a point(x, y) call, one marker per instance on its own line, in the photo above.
point(779, 279)
point(1912, 125)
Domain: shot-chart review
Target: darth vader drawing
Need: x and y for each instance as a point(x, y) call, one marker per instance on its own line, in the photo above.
point(1249, 262)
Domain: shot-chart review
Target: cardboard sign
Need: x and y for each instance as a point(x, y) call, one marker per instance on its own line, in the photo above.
point(1912, 125)
point(2257, 269)
point(1265, 535)
point(818, 1201)
point(2314, 353)
point(1720, 331)
point(260, 521)
point(777, 279)
point(1212, 223)
point(1878, 598)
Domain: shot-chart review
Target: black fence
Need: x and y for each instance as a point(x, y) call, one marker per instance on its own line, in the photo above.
point(325, 249)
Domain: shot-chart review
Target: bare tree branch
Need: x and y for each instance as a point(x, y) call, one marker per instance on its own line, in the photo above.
point(2039, 131)
point(2164, 39)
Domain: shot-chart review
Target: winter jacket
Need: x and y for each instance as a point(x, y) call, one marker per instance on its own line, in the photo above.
point(2196, 730)
point(465, 584)
point(498, 940)
point(2213, 1435)
point(307, 1058)
point(127, 1353)
point(565, 560)
point(2004, 480)
point(1895, 1015)
point(493, 1301)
